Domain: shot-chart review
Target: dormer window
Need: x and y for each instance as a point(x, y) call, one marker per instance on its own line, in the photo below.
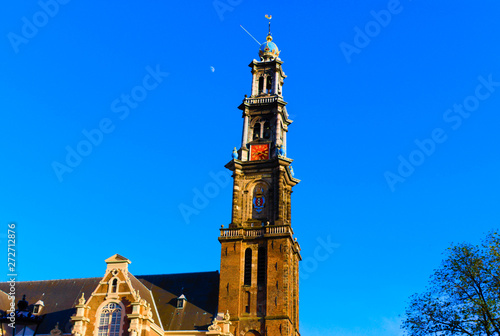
point(22, 322)
point(181, 302)
point(37, 307)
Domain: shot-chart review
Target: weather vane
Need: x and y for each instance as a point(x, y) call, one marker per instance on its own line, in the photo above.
point(269, 17)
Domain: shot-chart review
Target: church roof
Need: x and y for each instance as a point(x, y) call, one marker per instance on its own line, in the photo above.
point(202, 291)
point(146, 294)
point(61, 296)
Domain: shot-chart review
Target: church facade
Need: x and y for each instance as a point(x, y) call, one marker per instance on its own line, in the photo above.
point(257, 289)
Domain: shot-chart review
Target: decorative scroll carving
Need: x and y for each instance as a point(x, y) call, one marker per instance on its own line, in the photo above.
point(56, 331)
point(215, 326)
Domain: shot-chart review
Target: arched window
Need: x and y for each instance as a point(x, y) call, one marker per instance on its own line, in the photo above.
point(252, 333)
point(267, 130)
point(261, 266)
point(114, 286)
point(256, 130)
point(269, 84)
point(261, 84)
point(248, 267)
point(109, 320)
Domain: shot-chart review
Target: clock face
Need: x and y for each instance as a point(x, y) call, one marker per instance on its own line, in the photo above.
point(259, 152)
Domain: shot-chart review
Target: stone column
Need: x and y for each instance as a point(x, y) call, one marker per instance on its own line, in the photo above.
point(254, 84)
point(244, 140)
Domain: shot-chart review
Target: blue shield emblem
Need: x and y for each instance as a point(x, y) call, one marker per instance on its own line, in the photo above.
point(259, 200)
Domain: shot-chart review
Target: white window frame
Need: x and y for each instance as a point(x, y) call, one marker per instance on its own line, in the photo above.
point(99, 312)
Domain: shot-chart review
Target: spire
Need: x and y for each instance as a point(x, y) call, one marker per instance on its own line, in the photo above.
point(269, 50)
point(269, 17)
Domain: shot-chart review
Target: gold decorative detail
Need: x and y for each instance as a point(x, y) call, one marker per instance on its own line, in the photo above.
point(269, 38)
point(81, 300)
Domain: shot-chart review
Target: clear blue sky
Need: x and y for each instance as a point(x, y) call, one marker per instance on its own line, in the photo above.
point(365, 97)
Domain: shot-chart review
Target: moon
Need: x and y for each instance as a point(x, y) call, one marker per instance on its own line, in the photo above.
point(212, 69)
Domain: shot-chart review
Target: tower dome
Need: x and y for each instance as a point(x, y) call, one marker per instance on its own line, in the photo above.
point(269, 49)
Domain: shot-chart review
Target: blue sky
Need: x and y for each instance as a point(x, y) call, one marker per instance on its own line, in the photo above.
point(395, 138)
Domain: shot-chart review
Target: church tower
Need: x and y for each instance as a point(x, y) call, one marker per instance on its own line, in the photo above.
point(259, 279)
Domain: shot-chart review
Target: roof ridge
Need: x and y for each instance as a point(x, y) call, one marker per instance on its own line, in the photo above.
point(1, 282)
point(133, 276)
point(137, 276)
point(143, 275)
point(156, 312)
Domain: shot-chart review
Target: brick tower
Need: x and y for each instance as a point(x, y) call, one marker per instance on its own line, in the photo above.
point(259, 280)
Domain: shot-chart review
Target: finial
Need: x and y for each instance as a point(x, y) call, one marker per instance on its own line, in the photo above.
point(235, 154)
point(269, 37)
point(56, 331)
point(268, 50)
point(82, 299)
